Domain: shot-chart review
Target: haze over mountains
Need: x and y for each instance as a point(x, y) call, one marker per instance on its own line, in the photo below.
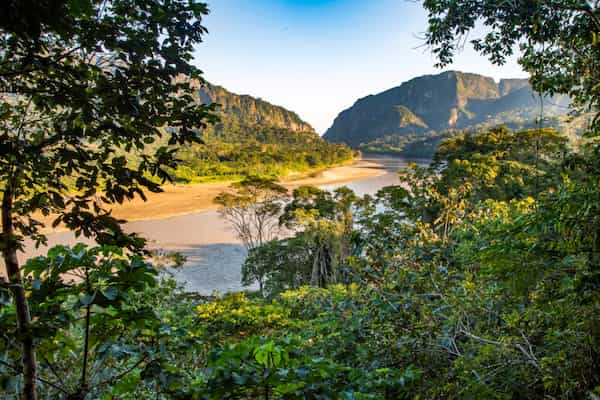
point(427, 105)
point(409, 120)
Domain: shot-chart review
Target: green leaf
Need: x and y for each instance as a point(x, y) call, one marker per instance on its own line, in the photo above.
point(87, 299)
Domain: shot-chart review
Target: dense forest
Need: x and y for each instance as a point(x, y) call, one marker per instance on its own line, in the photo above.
point(254, 137)
point(477, 278)
point(424, 146)
point(231, 150)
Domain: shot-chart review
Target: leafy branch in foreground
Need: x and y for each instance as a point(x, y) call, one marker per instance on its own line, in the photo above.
point(83, 82)
point(82, 303)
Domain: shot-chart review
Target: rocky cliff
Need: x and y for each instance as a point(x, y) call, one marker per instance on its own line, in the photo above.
point(433, 103)
point(249, 111)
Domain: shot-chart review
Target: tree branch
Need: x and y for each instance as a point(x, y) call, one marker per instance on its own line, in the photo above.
point(44, 381)
point(122, 374)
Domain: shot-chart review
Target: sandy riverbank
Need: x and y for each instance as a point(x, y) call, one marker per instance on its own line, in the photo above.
point(186, 199)
point(184, 220)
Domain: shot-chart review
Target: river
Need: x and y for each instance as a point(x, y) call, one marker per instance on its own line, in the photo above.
point(214, 255)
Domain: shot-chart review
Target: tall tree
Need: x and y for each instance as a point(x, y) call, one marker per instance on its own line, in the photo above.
point(326, 221)
point(252, 207)
point(84, 83)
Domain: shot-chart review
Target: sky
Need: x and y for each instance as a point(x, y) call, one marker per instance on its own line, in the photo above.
point(317, 57)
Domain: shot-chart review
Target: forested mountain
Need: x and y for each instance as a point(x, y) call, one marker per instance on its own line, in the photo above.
point(248, 110)
point(254, 137)
point(427, 105)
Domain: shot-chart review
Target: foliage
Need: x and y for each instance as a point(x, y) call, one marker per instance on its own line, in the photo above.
point(442, 279)
point(76, 99)
point(104, 324)
point(236, 315)
point(558, 40)
point(283, 357)
point(82, 82)
point(252, 208)
point(502, 164)
point(234, 150)
point(457, 293)
point(283, 264)
point(323, 225)
point(478, 278)
point(425, 147)
point(82, 303)
point(487, 285)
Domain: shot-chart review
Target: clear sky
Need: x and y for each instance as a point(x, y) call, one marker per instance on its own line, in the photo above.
point(317, 57)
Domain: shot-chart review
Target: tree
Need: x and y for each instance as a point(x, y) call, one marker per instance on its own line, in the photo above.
point(559, 41)
point(87, 87)
point(281, 264)
point(327, 223)
point(323, 226)
point(252, 207)
point(536, 259)
point(502, 164)
point(85, 318)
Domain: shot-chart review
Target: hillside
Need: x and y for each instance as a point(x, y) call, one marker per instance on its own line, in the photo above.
point(248, 110)
point(429, 105)
point(254, 137)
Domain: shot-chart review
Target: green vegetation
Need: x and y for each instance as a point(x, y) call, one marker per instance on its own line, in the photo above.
point(315, 254)
point(419, 292)
point(232, 150)
point(248, 110)
point(424, 146)
point(82, 81)
point(252, 207)
point(251, 137)
point(478, 278)
point(409, 146)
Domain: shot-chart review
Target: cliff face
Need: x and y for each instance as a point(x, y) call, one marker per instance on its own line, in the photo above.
point(247, 110)
point(433, 103)
point(508, 85)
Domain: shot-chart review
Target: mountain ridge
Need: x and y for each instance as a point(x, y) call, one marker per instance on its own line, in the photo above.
point(253, 137)
point(249, 110)
point(428, 104)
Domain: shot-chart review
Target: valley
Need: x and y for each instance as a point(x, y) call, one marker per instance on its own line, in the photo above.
point(166, 238)
point(183, 219)
point(253, 137)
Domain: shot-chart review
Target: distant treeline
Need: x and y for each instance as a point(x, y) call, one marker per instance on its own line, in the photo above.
point(232, 150)
point(425, 145)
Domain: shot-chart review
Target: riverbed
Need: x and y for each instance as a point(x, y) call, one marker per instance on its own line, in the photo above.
point(214, 254)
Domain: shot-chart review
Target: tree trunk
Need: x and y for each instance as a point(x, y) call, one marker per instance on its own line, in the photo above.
point(9, 254)
point(314, 276)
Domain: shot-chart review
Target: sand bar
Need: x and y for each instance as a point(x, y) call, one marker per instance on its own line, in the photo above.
point(183, 219)
point(186, 199)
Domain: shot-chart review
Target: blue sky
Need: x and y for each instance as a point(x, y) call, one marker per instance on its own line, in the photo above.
point(317, 57)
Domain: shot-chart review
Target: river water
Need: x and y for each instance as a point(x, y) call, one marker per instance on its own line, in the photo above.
point(214, 255)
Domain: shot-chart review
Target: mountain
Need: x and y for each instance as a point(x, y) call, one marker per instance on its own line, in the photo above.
point(430, 104)
point(248, 110)
point(254, 137)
